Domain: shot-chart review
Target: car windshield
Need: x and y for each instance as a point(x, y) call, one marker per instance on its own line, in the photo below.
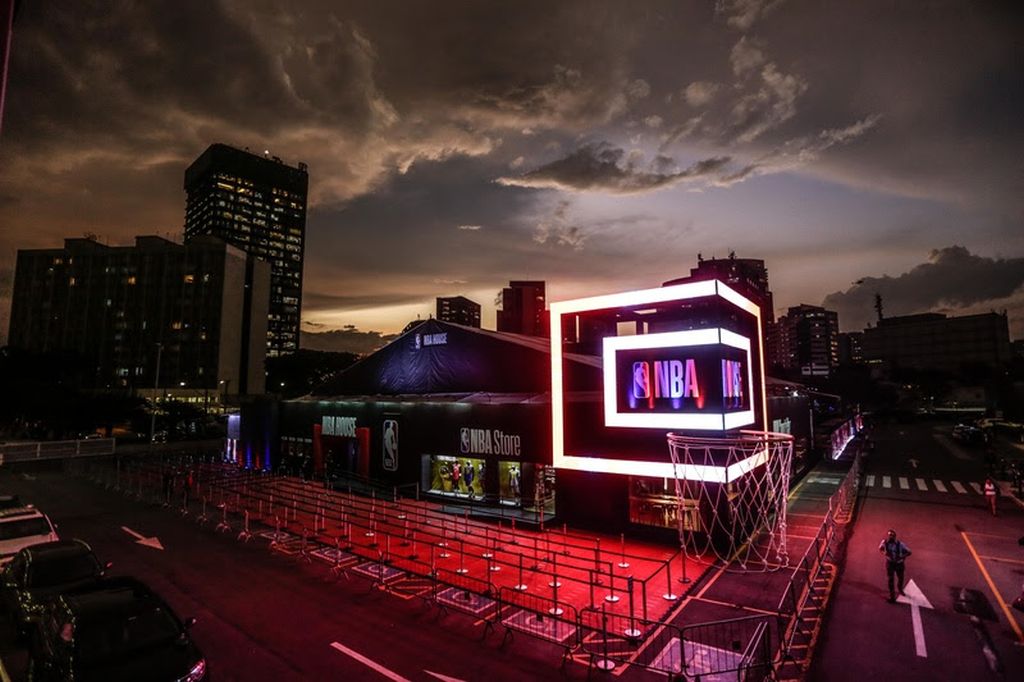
point(24, 528)
point(63, 570)
point(100, 641)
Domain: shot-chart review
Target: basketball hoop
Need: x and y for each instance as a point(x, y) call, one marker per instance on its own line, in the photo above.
point(731, 497)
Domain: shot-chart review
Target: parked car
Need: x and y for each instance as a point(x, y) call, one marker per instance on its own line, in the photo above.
point(21, 527)
point(40, 573)
point(115, 630)
point(10, 502)
point(970, 435)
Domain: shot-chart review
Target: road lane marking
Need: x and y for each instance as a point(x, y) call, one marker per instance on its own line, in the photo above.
point(921, 485)
point(957, 487)
point(904, 484)
point(886, 482)
point(1003, 560)
point(977, 487)
point(992, 586)
point(939, 485)
point(373, 665)
point(915, 597)
point(871, 481)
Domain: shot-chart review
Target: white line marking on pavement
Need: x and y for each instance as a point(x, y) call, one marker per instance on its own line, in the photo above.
point(904, 483)
point(939, 485)
point(871, 481)
point(957, 487)
point(373, 665)
point(921, 485)
point(140, 539)
point(443, 678)
point(917, 601)
point(976, 486)
point(886, 482)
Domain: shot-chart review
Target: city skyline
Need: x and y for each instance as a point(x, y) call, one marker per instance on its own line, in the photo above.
point(857, 148)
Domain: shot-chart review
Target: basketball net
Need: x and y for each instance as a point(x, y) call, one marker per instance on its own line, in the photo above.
point(731, 497)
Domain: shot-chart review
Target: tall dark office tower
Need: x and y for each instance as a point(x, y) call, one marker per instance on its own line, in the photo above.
point(522, 309)
point(258, 204)
point(458, 309)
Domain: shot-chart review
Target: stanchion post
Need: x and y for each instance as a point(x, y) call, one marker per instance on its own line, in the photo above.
point(632, 632)
point(669, 595)
point(521, 586)
point(622, 557)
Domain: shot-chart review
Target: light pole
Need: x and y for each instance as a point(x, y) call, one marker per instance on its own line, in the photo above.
point(156, 391)
point(223, 395)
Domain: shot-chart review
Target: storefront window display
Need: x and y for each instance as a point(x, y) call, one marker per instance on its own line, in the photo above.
point(510, 477)
point(457, 476)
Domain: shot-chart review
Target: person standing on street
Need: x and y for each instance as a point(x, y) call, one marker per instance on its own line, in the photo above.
point(895, 553)
point(990, 495)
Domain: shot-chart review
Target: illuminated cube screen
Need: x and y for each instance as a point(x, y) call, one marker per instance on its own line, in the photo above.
point(686, 358)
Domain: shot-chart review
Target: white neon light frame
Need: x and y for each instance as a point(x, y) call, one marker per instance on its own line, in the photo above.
point(662, 469)
point(703, 421)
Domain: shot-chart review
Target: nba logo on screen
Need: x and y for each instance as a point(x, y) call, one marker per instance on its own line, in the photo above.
point(641, 380)
point(464, 440)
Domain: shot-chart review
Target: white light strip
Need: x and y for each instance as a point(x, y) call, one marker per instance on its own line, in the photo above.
point(689, 472)
point(631, 298)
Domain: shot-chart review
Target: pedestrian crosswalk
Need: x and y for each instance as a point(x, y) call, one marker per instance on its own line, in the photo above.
point(924, 485)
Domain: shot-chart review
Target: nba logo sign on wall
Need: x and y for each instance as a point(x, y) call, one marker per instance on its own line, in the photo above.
point(464, 440)
point(391, 445)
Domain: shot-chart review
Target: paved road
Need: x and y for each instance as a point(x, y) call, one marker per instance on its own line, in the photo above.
point(262, 616)
point(965, 562)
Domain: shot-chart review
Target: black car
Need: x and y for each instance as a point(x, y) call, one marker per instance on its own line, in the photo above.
point(9, 502)
point(39, 573)
point(117, 630)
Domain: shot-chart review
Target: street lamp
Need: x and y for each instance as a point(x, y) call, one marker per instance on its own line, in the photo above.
point(156, 392)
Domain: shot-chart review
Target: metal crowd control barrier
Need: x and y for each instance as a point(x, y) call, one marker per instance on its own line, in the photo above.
point(56, 449)
point(540, 618)
point(371, 536)
point(803, 600)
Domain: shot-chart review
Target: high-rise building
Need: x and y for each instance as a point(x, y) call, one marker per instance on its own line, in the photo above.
point(459, 310)
point(153, 316)
point(934, 341)
point(806, 339)
point(523, 309)
point(851, 348)
point(257, 204)
point(748, 276)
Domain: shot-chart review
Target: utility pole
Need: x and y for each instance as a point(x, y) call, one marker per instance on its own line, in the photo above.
point(156, 392)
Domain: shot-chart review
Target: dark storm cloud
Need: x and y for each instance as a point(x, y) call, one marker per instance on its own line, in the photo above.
point(953, 279)
point(345, 340)
point(604, 167)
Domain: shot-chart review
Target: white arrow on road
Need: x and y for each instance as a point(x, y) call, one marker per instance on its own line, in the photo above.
point(153, 542)
point(913, 595)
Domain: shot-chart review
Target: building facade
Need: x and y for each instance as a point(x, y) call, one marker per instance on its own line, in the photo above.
point(851, 348)
point(156, 316)
point(936, 342)
point(257, 204)
point(459, 310)
point(806, 340)
point(749, 276)
point(523, 309)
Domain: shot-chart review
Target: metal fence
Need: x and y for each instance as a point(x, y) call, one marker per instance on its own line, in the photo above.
point(54, 449)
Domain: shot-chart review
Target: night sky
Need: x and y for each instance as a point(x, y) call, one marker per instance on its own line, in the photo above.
point(600, 146)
